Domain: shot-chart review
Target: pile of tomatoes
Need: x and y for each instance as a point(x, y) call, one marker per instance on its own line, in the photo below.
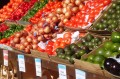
point(50, 7)
point(8, 9)
point(22, 9)
point(87, 14)
point(60, 42)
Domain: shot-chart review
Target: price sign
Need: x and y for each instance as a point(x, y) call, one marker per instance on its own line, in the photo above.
point(21, 63)
point(62, 71)
point(80, 74)
point(5, 57)
point(38, 67)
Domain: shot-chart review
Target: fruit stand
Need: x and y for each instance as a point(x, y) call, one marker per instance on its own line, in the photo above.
point(60, 39)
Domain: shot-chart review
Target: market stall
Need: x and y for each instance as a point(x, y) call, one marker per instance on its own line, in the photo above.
point(60, 39)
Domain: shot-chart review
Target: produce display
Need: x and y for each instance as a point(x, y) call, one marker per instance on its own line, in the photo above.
point(61, 31)
point(3, 27)
point(108, 49)
point(8, 9)
point(110, 20)
point(22, 9)
point(84, 46)
point(5, 36)
point(87, 14)
point(37, 6)
point(51, 6)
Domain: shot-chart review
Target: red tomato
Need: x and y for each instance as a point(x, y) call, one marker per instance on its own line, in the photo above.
point(106, 2)
point(67, 40)
point(62, 45)
point(4, 40)
point(67, 35)
point(50, 43)
point(59, 40)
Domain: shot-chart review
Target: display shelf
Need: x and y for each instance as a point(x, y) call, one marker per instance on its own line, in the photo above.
point(49, 68)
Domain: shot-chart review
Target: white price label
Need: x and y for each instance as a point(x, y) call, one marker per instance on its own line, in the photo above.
point(21, 63)
point(62, 71)
point(38, 67)
point(5, 57)
point(80, 74)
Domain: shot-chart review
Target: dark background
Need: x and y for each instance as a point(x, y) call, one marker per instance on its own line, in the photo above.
point(3, 2)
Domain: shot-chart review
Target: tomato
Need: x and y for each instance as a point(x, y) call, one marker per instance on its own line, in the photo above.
point(67, 35)
point(106, 2)
point(67, 40)
point(40, 49)
point(50, 43)
point(59, 39)
point(62, 45)
point(4, 40)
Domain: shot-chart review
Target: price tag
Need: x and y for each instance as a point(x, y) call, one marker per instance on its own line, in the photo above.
point(80, 74)
point(62, 71)
point(21, 63)
point(38, 67)
point(5, 57)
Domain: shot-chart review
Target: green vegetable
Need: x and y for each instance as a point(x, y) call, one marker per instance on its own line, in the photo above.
point(32, 11)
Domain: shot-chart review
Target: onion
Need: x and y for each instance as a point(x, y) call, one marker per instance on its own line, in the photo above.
point(61, 24)
point(51, 15)
point(72, 1)
point(40, 31)
point(65, 20)
point(71, 5)
point(12, 43)
point(40, 38)
point(17, 45)
point(23, 40)
point(46, 36)
point(24, 33)
point(48, 20)
point(18, 34)
point(67, 1)
point(26, 44)
point(81, 6)
point(59, 10)
point(54, 19)
point(60, 30)
point(47, 29)
point(43, 19)
point(16, 40)
point(22, 47)
point(77, 2)
point(35, 41)
point(62, 16)
point(64, 5)
point(64, 10)
point(29, 47)
point(29, 39)
point(68, 14)
point(27, 50)
point(75, 9)
point(54, 35)
point(40, 23)
point(34, 46)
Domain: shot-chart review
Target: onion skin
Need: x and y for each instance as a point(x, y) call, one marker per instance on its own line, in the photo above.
point(29, 39)
point(40, 38)
point(59, 10)
point(16, 40)
point(22, 47)
point(47, 29)
point(35, 41)
point(77, 2)
point(18, 34)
